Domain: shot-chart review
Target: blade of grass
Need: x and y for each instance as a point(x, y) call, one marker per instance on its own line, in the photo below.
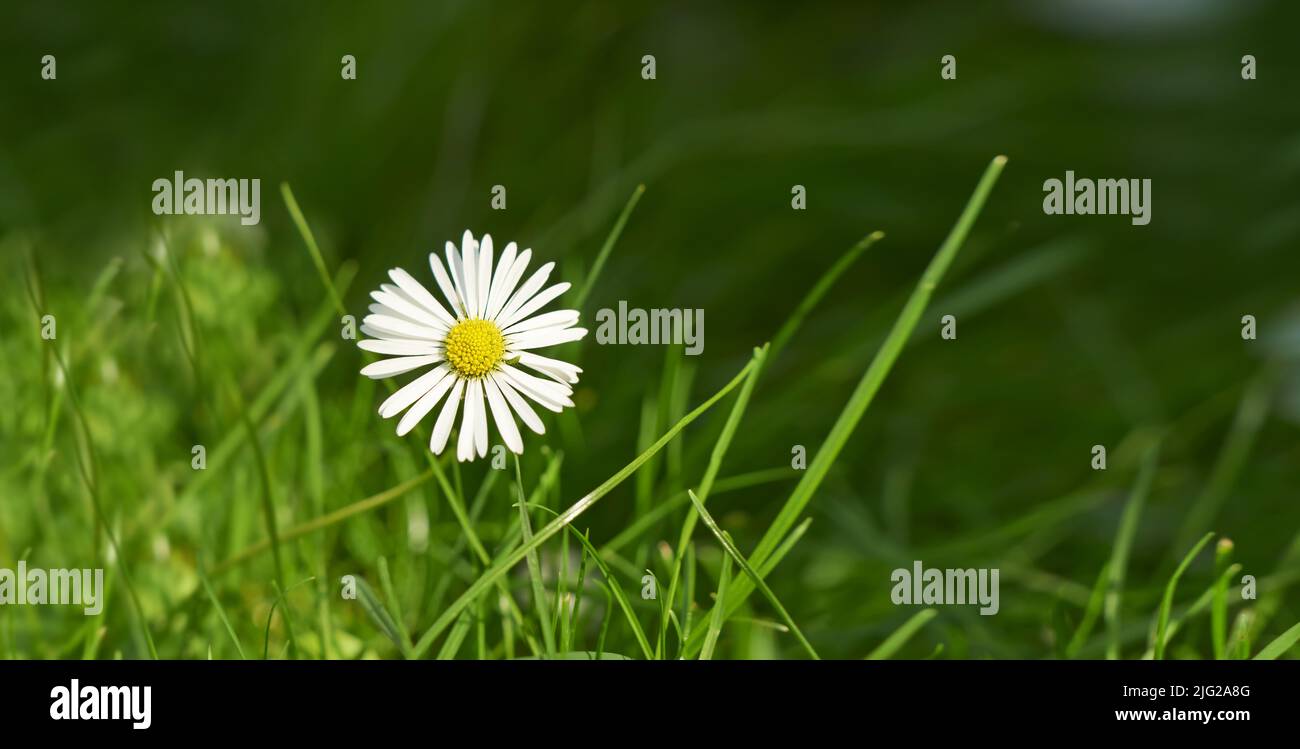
point(1203, 602)
point(899, 638)
point(819, 290)
point(280, 594)
point(1123, 545)
point(456, 637)
point(379, 614)
point(534, 567)
point(1239, 638)
point(505, 563)
point(725, 539)
point(870, 383)
point(327, 520)
point(1219, 612)
point(1090, 613)
point(1251, 413)
point(616, 591)
point(715, 616)
point(317, 259)
point(268, 496)
point(386, 582)
point(221, 613)
point(1167, 602)
point(454, 499)
point(608, 247)
point(706, 486)
point(1278, 647)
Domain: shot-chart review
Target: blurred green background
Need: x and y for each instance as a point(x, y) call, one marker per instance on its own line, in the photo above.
point(1072, 331)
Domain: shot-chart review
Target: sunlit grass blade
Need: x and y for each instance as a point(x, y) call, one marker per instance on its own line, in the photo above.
point(725, 539)
point(1281, 645)
point(900, 636)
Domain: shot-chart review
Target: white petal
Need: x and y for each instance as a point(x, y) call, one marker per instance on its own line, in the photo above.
point(560, 371)
point(525, 292)
point(496, 297)
point(544, 337)
point(389, 367)
point(469, 421)
point(442, 429)
point(484, 273)
point(469, 273)
point(409, 311)
point(412, 391)
point(425, 404)
point(509, 283)
point(385, 335)
point(386, 311)
point(560, 318)
point(536, 303)
point(501, 415)
point(521, 407)
point(399, 347)
point(445, 282)
point(480, 415)
point(399, 328)
point(553, 396)
point(416, 291)
point(454, 266)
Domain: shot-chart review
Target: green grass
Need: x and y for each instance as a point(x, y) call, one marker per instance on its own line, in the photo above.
point(305, 486)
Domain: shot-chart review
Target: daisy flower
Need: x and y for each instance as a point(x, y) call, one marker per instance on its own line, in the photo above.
point(474, 348)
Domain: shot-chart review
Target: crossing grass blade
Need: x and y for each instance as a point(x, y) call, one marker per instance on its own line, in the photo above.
point(505, 563)
point(730, 546)
point(534, 567)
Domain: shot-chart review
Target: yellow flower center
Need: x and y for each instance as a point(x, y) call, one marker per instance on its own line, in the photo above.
point(474, 347)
